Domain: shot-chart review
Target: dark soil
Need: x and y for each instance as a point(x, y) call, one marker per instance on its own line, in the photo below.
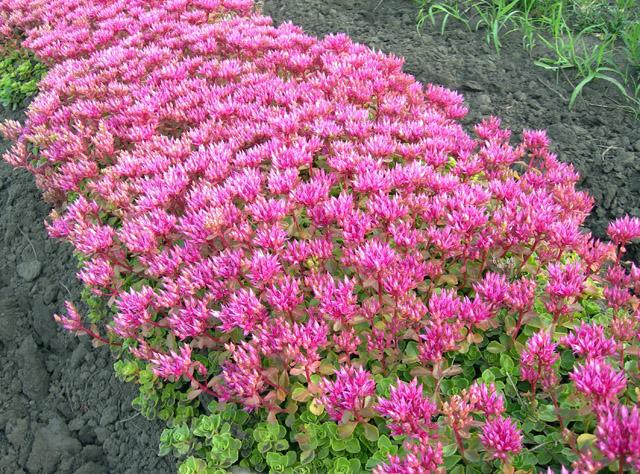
point(602, 142)
point(62, 410)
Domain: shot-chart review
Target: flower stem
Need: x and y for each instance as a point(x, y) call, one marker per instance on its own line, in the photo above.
point(201, 386)
point(89, 332)
point(459, 442)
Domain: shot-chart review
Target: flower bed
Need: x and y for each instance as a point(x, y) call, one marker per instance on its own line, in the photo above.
point(305, 261)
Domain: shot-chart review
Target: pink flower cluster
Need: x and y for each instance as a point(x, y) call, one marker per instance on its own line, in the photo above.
point(307, 209)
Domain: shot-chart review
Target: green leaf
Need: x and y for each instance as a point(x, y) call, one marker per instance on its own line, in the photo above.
point(316, 407)
point(300, 394)
point(307, 456)
point(261, 433)
point(193, 465)
point(345, 430)
point(352, 445)
point(274, 430)
point(449, 450)
point(547, 413)
point(494, 347)
point(384, 443)
point(451, 461)
point(371, 432)
point(488, 376)
point(471, 455)
point(276, 460)
point(506, 363)
point(585, 439)
point(281, 445)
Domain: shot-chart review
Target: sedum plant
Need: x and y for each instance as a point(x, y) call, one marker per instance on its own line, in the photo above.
point(308, 265)
point(19, 74)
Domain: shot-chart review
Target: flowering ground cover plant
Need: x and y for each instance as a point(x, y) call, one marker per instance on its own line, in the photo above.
point(305, 261)
point(19, 75)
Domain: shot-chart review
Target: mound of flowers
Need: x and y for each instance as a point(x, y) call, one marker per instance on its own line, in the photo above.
point(307, 263)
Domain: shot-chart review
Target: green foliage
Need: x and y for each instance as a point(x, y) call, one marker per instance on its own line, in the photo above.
point(310, 444)
point(20, 73)
point(156, 399)
point(596, 40)
point(97, 306)
point(212, 438)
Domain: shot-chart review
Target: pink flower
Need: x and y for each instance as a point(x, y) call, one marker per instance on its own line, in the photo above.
point(263, 268)
point(94, 238)
point(346, 342)
point(349, 392)
point(537, 360)
point(175, 364)
point(624, 230)
point(618, 434)
point(285, 296)
point(486, 399)
point(375, 257)
point(135, 309)
point(565, 281)
point(599, 381)
point(422, 458)
point(444, 305)
point(243, 311)
point(243, 376)
point(586, 464)
point(97, 272)
point(192, 320)
point(73, 320)
point(493, 288)
point(535, 140)
point(437, 339)
point(589, 340)
point(520, 294)
point(501, 437)
point(409, 412)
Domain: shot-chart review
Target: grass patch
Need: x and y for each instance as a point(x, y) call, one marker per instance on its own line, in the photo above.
point(582, 40)
point(20, 73)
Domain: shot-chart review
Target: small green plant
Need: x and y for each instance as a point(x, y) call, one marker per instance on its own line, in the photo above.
point(446, 10)
point(20, 73)
point(631, 40)
point(499, 17)
point(595, 40)
point(591, 63)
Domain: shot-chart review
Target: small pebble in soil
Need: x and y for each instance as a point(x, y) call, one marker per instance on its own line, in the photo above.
point(30, 270)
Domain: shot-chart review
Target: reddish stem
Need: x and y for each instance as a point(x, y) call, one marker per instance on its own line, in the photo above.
point(485, 255)
point(99, 337)
point(459, 442)
point(518, 325)
point(213, 338)
point(201, 386)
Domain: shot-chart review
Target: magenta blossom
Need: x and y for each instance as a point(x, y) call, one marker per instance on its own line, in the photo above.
point(537, 360)
point(618, 434)
point(565, 281)
point(487, 399)
point(599, 381)
point(589, 341)
point(501, 437)
point(422, 458)
point(349, 392)
point(72, 321)
point(176, 364)
point(408, 410)
point(624, 230)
